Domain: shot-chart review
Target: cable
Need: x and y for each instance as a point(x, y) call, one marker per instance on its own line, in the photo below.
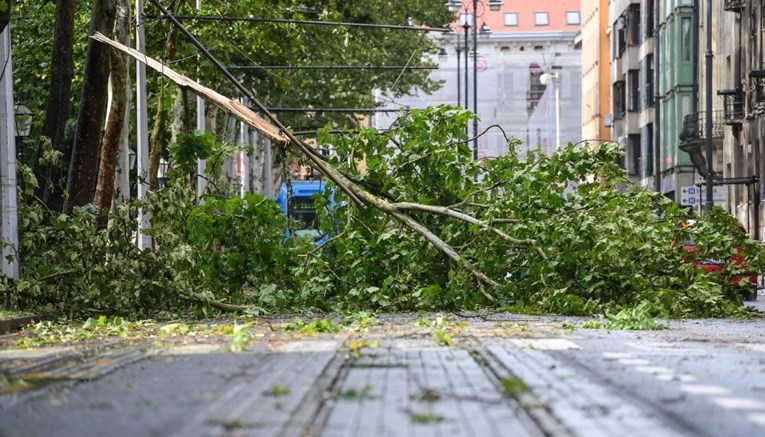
point(308, 22)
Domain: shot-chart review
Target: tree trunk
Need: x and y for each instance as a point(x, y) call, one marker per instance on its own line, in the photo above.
point(157, 138)
point(5, 13)
point(81, 184)
point(122, 32)
point(58, 106)
point(111, 143)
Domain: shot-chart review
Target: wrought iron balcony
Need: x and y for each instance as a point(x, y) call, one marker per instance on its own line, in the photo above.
point(694, 127)
point(733, 5)
point(733, 106)
point(693, 141)
point(756, 96)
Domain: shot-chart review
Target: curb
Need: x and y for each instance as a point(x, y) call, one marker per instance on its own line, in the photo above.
point(16, 323)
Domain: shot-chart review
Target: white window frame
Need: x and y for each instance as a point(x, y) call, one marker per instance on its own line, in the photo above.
point(538, 19)
point(573, 17)
point(510, 19)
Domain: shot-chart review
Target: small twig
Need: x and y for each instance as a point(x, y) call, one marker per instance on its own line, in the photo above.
point(56, 275)
point(329, 240)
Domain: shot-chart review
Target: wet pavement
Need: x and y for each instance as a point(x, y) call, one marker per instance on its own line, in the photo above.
point(395, 375)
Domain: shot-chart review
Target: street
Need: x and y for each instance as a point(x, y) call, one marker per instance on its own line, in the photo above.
point(473, 375)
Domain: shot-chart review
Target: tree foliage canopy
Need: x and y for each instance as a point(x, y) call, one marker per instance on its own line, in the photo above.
point(549, 235)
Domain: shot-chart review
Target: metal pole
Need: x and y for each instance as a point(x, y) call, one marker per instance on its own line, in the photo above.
point(244, 158)
point(710, 151)
point(556, 81)
point(142, 130)
point(459, 74)
point(9, 213)
point(657, 99)
point(475, 79)
point(466, 26)
point(201, 163)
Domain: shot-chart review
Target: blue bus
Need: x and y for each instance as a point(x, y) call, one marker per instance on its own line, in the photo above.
point(305, 219)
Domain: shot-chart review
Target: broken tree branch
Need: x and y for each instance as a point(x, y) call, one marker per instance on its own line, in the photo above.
point(281, 136)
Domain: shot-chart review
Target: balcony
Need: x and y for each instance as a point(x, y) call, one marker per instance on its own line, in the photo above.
point(694, 127)
point(757, 94)
point(693, 139)
point(733, 5)
point(733, 106)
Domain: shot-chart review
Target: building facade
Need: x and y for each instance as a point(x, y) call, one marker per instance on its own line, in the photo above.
point(738, 80)
point(525, 41)
point(596, 71)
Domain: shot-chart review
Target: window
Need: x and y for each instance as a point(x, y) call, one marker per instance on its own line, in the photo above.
point(619, 96)
point(541, 19)
point(635, 156)
point(633, 21)
point(649, 17)
point(620, 38)
point(648, 80)
point(647, 138)
point(536, 89)
point(634, 83)
point(686, 38)
point(573, 17)
point(511, 19)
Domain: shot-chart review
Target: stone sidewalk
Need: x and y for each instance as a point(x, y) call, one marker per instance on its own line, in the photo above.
point(401, 375)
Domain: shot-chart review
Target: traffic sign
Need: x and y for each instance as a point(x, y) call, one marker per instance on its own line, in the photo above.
point(693, 195)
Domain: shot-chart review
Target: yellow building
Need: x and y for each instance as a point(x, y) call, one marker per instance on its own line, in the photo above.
point(596, 64)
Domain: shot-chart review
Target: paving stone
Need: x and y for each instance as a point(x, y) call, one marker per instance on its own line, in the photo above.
point(264, 404)
point(420, 392)
point(584, 406)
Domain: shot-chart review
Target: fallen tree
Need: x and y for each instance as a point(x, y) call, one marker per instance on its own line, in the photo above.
point(536, 232)
point(362, 196)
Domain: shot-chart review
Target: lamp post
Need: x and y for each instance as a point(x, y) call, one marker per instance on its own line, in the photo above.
point(467, 23)
point(708, 122)
point(554, 79)
point(23, 117)
point(162, 172)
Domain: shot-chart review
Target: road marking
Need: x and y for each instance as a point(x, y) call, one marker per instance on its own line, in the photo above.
point(616, 355)
point(548, 344)
point(193, 349)
point(757, 418)
point(308, 346)
point(739, 403)
point(698, 389)
point(757, 347)
point(635, 362)
point(683, 377)
point(655, 370)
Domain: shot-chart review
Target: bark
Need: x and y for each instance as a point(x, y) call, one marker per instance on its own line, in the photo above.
point(58, 106)
point(5, 13)
point(111, 144)
point(157, 137)
point(122, 32)
point(83, 168)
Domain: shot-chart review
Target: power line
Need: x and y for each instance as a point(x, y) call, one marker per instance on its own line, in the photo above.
point(342, 110)
point(328, 67)
point(307, 22)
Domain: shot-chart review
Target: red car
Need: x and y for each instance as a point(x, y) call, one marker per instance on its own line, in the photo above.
point(744, 280)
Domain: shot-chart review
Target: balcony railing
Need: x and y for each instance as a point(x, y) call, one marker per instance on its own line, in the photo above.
point(733, 106)
point(694, 126)
point(733, 5)
point(756, 96)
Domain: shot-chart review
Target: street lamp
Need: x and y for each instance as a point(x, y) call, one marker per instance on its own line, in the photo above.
point(23, 116)
point(162, 172)
point(467, 23)
point(554, 79)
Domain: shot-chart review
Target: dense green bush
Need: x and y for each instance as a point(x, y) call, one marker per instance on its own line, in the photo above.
point(561, 234)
